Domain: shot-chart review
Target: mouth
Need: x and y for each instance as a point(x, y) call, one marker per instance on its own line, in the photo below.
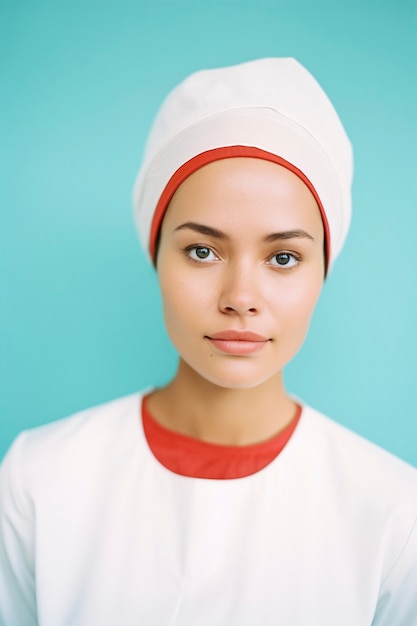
point(238, 342)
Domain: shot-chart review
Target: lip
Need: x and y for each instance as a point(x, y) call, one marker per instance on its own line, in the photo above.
point(238, 342)
point(237, 335)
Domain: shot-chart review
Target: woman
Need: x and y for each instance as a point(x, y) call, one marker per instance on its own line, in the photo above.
point(219, 499)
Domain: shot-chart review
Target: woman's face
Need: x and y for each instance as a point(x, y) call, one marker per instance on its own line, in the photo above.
point(240, 267)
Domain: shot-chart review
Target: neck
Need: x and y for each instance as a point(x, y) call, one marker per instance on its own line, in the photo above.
point(193, 406)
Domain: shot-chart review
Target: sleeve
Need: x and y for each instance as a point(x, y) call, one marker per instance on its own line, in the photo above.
point(17, 579)
point(397, 605)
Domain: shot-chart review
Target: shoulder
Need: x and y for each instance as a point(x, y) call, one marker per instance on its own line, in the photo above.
point(110, 414)
point(358, 465)
point(376, 491)
point(86, 438)
point(353, 455)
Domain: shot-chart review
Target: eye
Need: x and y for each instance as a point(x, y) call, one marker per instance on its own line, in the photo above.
point(284, 259)
point(201, 254)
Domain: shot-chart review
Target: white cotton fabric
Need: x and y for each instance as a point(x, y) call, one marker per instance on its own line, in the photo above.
point(105, 535)
point(273, 104)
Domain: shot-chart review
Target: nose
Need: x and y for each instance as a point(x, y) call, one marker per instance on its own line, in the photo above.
point(240, 291)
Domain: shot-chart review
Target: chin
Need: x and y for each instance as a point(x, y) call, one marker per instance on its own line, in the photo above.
point(237, 379)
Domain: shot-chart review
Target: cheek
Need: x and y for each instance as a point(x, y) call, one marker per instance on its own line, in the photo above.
point(306, 299)
point(297, 308)
point(182, 304)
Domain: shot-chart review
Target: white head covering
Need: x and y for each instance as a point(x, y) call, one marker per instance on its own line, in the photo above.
point(267, 108)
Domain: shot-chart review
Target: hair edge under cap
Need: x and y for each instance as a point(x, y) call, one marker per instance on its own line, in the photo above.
point(217, 154)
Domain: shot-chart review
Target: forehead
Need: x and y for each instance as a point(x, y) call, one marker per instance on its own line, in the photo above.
point(244, 192)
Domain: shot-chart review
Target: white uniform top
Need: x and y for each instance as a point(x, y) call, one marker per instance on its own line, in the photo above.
point(96, 532)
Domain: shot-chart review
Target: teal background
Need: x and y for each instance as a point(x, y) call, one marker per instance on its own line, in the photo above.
point(80, 82)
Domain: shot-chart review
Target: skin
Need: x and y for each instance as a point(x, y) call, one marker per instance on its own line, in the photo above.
point(218, 271)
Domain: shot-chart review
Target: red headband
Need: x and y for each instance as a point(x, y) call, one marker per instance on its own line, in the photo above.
point(198, 161)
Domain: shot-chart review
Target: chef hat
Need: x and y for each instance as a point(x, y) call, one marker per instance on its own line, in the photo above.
point(269, 108)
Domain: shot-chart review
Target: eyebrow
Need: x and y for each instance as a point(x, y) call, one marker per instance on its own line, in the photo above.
point(289, 234)
point(218, 234)
point(203, 229)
